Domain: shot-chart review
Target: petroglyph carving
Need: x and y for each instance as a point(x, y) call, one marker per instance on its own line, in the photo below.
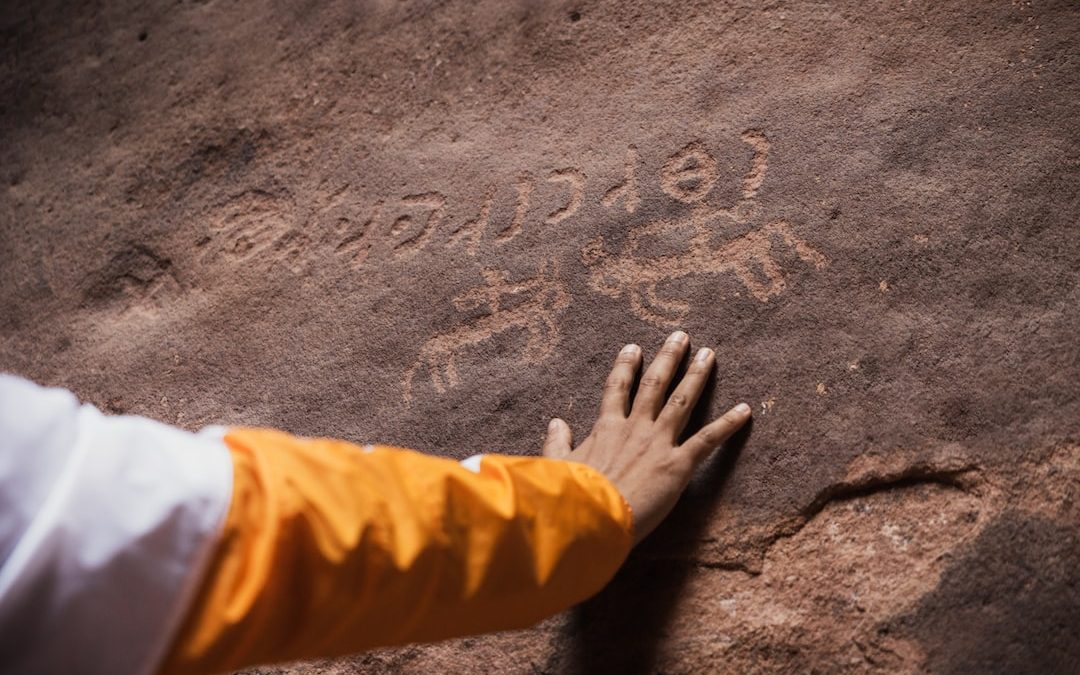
point(471, 230)
point(524, 187)
point(356, 242)
point(251, 223)
point(333, 200)
point(755, 177)
point(628, 189)
point(435, 203)
point(536, 302)
point(639, 277)
point(576, 180)
point(688, 176)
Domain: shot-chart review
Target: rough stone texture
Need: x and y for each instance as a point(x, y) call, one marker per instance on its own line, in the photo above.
point(433, 224)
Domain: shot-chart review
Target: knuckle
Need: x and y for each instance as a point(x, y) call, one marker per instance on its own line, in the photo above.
point(710, 436)
point(671, 350)
point(678, 400)
point(626, 358)
point(607, 424)
point(651, 380)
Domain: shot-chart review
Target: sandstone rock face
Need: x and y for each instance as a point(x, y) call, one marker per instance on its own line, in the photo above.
point(434, 224)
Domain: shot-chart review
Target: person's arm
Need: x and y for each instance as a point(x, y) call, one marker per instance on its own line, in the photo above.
point(291, 548)
point(331, 548)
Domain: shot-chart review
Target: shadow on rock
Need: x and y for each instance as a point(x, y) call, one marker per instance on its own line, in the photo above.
point(621, 628)
point(1011, 605)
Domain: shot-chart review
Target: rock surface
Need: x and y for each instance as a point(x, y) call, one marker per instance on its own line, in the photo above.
point(434, 224)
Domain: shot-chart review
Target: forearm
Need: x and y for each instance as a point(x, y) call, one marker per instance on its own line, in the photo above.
point(330, 548)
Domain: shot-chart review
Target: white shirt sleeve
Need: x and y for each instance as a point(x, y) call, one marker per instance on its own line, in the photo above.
point(106, 526)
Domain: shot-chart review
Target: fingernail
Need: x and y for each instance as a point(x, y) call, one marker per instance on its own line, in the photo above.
point(553, 424)
point(631, 349)
point(678, 336)
point(703, 355)
point(743, 409)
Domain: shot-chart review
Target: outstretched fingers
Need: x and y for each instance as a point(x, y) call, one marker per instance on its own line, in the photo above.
point(657, 377)
point(712, 435)
point(615, 401)
point(680, 404)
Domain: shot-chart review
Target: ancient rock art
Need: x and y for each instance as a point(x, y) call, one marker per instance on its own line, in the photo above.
point(435, 204)
point(628, 189)
point(639, 277)
point(471, 230)
point(688, 176)
point(537, 300)
point(356, 241)
point(576, 181)
point(249, 224)
point(756, 176)
point(255, 224)
point(524, 187)
point(415, 219)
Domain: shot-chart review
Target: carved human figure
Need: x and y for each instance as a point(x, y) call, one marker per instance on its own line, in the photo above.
point(537, 301)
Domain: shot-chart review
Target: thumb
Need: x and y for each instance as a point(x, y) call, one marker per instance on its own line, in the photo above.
point(559, 439)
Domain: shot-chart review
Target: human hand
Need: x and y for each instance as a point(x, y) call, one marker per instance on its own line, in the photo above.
point(636, 447)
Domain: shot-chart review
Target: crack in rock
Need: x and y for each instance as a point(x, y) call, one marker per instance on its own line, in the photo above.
point(963, 477)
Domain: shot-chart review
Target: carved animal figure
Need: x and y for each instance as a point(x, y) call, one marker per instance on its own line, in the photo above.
point(538, 300)
point(638, 276)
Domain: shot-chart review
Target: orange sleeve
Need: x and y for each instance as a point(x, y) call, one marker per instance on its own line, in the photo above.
point(330, 548)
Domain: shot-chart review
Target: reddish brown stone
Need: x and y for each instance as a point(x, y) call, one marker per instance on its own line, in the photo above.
point(435, 226)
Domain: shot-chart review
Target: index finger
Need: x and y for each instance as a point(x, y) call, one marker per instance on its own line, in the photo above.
point(713, 434)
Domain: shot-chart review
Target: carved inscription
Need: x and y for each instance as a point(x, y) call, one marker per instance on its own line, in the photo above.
point(627, 190)
point(248, 224)
point(255, 226)
point(524, 189)
point(689, 174)
point(470, 231)
point(257, 223)
point(432, 205)
point(575, 181)
point(403, 226)
point(355, 242)
point(537, 301)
